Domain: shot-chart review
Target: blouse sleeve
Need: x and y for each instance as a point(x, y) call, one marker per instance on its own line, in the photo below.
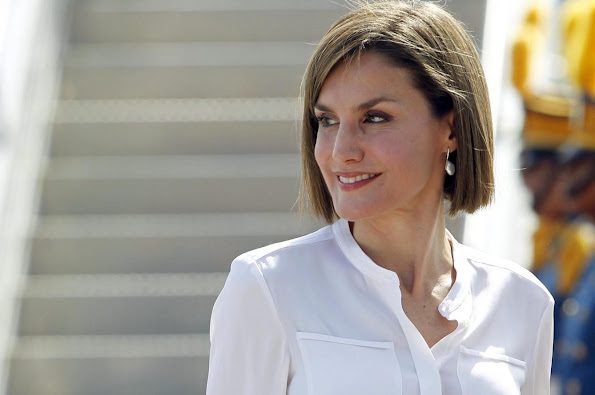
point(539, 368)
point(249, 352)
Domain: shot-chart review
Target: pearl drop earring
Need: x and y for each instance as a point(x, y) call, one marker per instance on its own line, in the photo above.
point(449, 167)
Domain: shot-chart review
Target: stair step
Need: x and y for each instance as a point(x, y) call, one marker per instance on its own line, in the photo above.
point(169, 25)
point(174, 167)
point(117, 6)
point(131, 346)
point(168, 196)
point(145, 315)
point(174, 138)
point(123, 285)
point(188, 225)
point(181, 82)
point(124, 304)
point(156, 244)
point(142, 254)
point(163, 111)
point(98, 365)
point(170, 185)
point(201, 54)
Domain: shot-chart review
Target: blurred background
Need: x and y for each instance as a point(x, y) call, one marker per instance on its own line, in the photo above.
point(146, 143)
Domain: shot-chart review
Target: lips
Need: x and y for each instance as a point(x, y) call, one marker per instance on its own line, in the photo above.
point(354, 179)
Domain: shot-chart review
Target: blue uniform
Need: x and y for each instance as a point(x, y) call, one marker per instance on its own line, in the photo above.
point(573, 366)
point(549, 271)
point(571, 280)
point(548, 275)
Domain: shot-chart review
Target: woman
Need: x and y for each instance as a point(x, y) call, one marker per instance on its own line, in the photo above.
point(384, 300)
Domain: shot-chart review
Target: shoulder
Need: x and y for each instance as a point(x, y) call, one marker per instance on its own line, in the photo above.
point(288, 249)
point(507, 275)
point(256, 275)
point(275, 257)
point(252, 273)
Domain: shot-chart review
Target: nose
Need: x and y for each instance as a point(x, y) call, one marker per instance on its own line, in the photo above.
point(348, 147)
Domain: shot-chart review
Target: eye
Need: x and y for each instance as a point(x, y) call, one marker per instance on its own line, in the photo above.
point(325, 122)
point(376, 118)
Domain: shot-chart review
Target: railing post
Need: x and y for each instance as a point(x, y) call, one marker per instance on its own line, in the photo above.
point(31, 41)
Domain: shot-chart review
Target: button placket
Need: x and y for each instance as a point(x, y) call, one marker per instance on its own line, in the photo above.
point(427, 369)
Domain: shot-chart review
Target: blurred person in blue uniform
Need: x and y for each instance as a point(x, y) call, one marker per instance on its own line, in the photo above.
point(542, 175)
point(547, 125)
point(559, 162)
point(573, 369)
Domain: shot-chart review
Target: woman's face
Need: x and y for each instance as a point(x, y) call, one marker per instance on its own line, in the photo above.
point(379, 147)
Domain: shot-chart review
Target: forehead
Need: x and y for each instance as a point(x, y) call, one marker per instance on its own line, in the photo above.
point(369, 74)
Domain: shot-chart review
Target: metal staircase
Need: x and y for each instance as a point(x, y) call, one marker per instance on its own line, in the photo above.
point(174, 149)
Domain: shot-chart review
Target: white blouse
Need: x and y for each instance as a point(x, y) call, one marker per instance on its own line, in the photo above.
point(317, 316)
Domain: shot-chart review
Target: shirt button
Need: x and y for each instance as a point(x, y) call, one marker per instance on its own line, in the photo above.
point(570, 307)
point(573, 387)
point(580, 352)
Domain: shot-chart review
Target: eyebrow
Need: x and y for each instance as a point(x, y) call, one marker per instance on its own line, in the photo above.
point(363, 106)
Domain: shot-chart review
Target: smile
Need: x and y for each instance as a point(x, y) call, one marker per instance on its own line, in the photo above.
point(351, 180)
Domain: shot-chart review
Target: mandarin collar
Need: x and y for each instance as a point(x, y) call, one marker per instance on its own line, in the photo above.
point(453, 306)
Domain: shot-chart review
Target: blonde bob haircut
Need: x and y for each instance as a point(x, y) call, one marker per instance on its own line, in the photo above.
point(444, 65)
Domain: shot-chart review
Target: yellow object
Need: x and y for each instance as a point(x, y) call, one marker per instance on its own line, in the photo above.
point(577, 246)
point(578, 25)
point(584, 135)
point(578, 22)
point(526, 46)
point(548, 120)
point(535, 15)
point(589, 120)
point(544, 242)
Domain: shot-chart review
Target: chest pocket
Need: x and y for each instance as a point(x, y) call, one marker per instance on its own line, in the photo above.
point(341, 366)
point(489, 373)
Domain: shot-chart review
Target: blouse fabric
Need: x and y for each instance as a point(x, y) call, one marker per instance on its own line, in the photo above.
point(316, 316)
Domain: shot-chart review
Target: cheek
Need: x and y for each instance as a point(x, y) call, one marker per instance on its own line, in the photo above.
point(402, 153)
point(322, 151)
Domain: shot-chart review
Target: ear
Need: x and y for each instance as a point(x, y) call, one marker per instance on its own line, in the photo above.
point(450, 133)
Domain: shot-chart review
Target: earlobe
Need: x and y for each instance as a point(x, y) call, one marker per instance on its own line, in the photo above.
point(452, 142)
point(449, 166)
point(452, 134)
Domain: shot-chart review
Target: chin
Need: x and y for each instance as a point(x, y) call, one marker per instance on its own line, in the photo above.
point(355, 214)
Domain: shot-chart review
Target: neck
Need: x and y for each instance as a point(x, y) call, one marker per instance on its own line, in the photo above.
point(413, 245)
